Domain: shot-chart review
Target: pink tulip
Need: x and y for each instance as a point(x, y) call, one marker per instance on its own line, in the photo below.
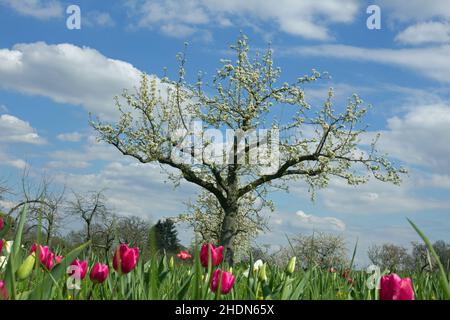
point(58, 259)
point(216, 255)
point(82, 268)
point(45, 256)
point(227, 281)
point(184, 255)
point(3, 293)
point(99, 273)
point(392, 287)
point(2, 224)
point(1, 246)
point(127, 257)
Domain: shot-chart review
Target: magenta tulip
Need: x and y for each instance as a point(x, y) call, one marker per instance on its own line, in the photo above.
point(126, 257)
point(45, 256)
point(82, 269)
point(392, 287)
point(99, 273)
point(216, 255)
point(3, 293)
point(2, 224)
point(227, 281)
point(1, 246)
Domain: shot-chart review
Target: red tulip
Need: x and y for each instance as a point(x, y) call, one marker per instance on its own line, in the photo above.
point(99, 273)
point(82, 268)
point(127, 257)
point(3, 293)
point(216, 255)
point(184, 255)
point(2, 224)
point(392, 287)
point(226, 284)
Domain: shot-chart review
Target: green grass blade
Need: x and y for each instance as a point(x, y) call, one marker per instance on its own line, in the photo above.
point(443, 275)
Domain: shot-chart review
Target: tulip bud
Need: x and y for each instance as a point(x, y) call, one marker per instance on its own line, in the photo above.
point(26, 268)
point(291, 266)
point(262, 273)
point(171, 264)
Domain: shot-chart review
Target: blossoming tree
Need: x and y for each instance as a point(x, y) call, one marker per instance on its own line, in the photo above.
point(314, 145)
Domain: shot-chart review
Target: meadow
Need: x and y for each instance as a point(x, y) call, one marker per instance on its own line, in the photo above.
point(39, 273)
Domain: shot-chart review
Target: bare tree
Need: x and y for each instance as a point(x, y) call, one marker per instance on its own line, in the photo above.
point(315, 145)
point(90, 207)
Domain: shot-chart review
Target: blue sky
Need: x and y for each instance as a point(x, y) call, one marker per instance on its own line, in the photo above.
point(51, 78)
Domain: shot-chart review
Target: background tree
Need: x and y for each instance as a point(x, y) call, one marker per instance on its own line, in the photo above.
point(166, 236)
point(315, 145)
point(90, 207)
point(390, 256)
point(321, 249)
point(206, 216)
point(423, 260)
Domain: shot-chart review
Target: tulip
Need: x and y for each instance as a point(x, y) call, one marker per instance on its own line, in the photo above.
point(262, 276)
point(80, 266)
point(2, 224)
point(45, 256)
point(1, 246)
point(291, 265)
point(227, 281)
point(184, 255)
point(26, 268)
point(58, 259)
point(392, 287)
point(216, 255)
point(99, 273)
point(3, 293)
point(127, 257)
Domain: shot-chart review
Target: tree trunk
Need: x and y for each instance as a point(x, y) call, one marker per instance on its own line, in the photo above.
point(228, 231)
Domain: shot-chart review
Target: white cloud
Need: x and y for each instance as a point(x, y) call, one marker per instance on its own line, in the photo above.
point(98, 19)
point(307, 18)
point(15, 130)
point(133, 189)
point(82, 158)
point(40, 9)
point(70, 137)
point(9, 161)
point(317, 223)
point(432, 62)
point(425, 32)
point(74, 75)
point(420, 137)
